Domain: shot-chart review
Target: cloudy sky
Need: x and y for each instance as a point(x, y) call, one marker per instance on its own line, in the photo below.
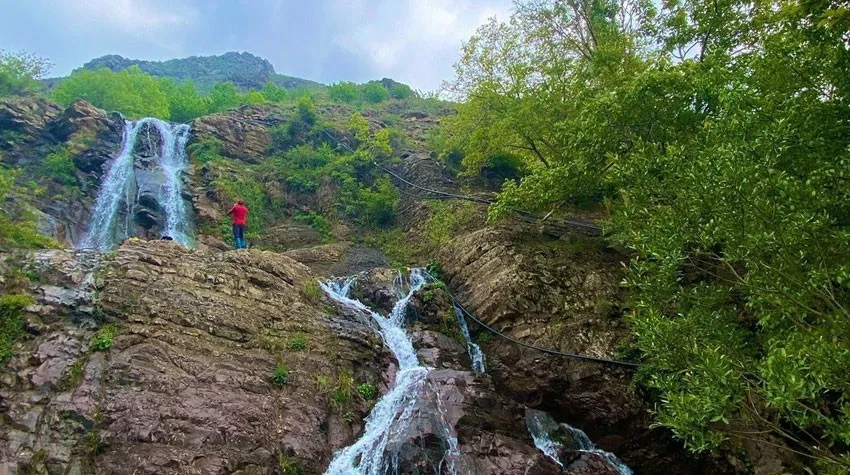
point(413, 41)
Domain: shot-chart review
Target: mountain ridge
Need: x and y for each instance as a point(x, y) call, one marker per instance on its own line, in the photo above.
point(245, 70)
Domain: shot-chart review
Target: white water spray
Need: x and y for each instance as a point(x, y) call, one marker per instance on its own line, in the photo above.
point(396, 410)
point(173, 162)
point(119, 188)
point(475, 353)
point(541, 426)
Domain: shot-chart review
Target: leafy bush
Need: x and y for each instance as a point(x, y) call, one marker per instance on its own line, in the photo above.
point(379, 203)
point(223, 96)
point(18, 226)
point(400, 91)
point(20, 72)
point(731, 200)
point(297, 343)
point(273, 93)
point(281, 375)
point(311, 290)
point(184, 101)
point(11, 323)
point(344, 92)
point(374, 92)
point(103, 339)
point(367, 391)
point(205, 151)
point(60, 167)
point(317, 222)
point(341, 395)
point(131, 92)
point(448, 219)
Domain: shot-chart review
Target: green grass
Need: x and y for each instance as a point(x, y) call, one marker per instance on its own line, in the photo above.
point(73, 376)
point(367, 391)
point(11, 323)
point(281, 375)
point(311, 290)
point(103, 339)
point(297, 343)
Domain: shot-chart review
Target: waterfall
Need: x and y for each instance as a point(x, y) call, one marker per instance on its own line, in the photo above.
point(542, 427)
point(173, 162)
point(397, 409)
point(475, 353)
point(102, 232)
point(119, 188)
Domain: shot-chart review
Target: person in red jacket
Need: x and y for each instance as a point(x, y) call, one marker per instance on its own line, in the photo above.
point(239, 213)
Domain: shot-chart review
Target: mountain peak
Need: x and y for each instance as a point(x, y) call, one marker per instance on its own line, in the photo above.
point(245, 70)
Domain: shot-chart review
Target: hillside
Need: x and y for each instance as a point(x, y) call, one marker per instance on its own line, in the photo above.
point(245, 70)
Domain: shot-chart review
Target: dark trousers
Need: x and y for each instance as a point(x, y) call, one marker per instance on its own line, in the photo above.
point(239, 235)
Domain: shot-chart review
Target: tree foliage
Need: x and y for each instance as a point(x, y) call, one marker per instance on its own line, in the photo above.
point(374, 92)
point(131, 92)
point(718, 137)
point(20, 72)
point(344, 92)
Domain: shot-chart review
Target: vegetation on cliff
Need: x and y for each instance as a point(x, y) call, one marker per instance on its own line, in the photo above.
point(716, 136)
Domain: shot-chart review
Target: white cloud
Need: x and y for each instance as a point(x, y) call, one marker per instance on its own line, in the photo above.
point(409, 40)
point(133, 16)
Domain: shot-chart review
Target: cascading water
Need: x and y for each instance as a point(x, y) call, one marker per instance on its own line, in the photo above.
point(541, 427)
point(173, 162)
point(475, 353)
point(397, 409)
point(113, 191)
point(119, 188)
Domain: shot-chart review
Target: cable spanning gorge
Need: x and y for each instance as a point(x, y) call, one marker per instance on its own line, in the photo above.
point(142, 190)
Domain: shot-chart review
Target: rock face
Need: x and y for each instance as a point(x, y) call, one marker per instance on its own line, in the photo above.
point(243, 134)
point(159, 359)
point(563, 296)
point(186, 386)
point(32, 127)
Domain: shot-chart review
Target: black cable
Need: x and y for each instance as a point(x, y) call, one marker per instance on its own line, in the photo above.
point(587, 227)
point(544, 350)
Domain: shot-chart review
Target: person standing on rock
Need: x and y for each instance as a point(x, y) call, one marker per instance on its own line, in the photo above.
point(239, 213)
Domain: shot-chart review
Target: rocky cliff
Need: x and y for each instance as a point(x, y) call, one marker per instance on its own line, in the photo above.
point(160, 359)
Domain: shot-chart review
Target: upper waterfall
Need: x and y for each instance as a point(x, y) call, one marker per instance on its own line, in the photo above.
point(143, 195)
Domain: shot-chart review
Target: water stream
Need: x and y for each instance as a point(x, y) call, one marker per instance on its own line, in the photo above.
point(377, 451)
point(118, 191)
point(475, 353)
point(543, 430)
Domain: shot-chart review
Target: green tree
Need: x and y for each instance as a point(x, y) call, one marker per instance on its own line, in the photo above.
point(223, 96)
point(20, 72)
point(694, 124)
point(254, 97)
point(400, 91)
point(184, 101)
point(275, 94)
point(344, 92)
point(131, 92)
point(374, 92)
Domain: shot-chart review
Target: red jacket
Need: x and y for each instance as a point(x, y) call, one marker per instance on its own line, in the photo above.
point(239, 213)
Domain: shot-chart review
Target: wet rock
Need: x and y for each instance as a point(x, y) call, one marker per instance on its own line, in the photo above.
point(562, 295)
point(377, 288)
